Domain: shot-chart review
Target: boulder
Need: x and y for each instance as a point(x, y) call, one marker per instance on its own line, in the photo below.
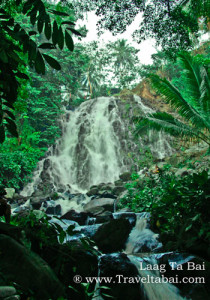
point(183, 172)
point(111, 236)
point(54, 210)
point(118, 266)
point(190, 266)
point(73, 258)
point(118, 190)
point(130, 216)
point(105, 203)
point(125, 176)
point(80, 217)
point(29, 271)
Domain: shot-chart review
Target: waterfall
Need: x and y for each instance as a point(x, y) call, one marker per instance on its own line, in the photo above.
point(154, 286)
point(94, 148)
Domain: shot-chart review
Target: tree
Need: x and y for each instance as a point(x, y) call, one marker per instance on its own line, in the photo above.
point(170, 22)
point(124, 59)
point(193, 108)
point(18, 49)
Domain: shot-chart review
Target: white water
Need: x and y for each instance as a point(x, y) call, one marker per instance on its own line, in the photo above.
point(153, 286)
point(94, 147)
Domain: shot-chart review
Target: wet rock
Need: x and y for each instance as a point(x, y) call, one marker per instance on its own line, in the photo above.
point(54, 210)
point(105, 203)
point(79, 217)
point(87, 230)
point(130, 216)
point(125, 176)
point(118, 190)
point(118, 266)
point(92, 192)
point(111, 236)
point(118, 183)
point(187, 266)
point(103, 217)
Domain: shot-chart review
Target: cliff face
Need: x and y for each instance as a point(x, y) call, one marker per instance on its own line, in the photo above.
point(150, 97)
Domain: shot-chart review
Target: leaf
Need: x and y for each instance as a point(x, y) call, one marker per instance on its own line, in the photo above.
point(18, 2)
point(40, 25)
point(8, 104)
point(11, 126)
point(2, 134)
point(47, 46)
point(55, 33)
point(22, 75)
point(3, 56)
point(69, 41)
point(68, 23)
point(52, 62)
point(59, 13)
point(74, 31)
point(48, 30)
point(60, 38)
point(9, 113)
point(39, 64)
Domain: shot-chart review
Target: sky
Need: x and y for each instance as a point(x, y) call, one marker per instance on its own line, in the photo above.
point(147, 48)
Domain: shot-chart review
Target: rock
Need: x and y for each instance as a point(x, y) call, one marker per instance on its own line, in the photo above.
point(105, 203)
point(71, 259)
point(56, 210)
point(93, 191)
point(130, 216)
point(10, 193)
point(118, 190)
point(79, 217)
point(87, 230)
point(118, 266)
point(10, 230)
point(103, 217)
point(183, 172)
point(28, 270)
point(118, 183)
point(111, 236)
point(187, 269)
point(125, 176)
point(142, 239)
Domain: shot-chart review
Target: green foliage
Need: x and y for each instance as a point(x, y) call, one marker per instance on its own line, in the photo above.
point(194, 108)
point(176, 204)
point(171, 23)
point(19, 48)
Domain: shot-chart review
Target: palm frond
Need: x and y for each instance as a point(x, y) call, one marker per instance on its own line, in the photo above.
point(162, 121)
point(205, 92)
point(174, 98)
point(165, 122)
point(191, 69)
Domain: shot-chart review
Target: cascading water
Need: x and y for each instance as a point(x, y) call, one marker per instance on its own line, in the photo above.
point(94, 147)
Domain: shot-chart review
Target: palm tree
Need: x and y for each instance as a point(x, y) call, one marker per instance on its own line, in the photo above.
point(124, 58)
point(194, 110)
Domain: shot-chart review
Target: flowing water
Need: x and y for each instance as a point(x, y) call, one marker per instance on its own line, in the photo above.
point(96, 146)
